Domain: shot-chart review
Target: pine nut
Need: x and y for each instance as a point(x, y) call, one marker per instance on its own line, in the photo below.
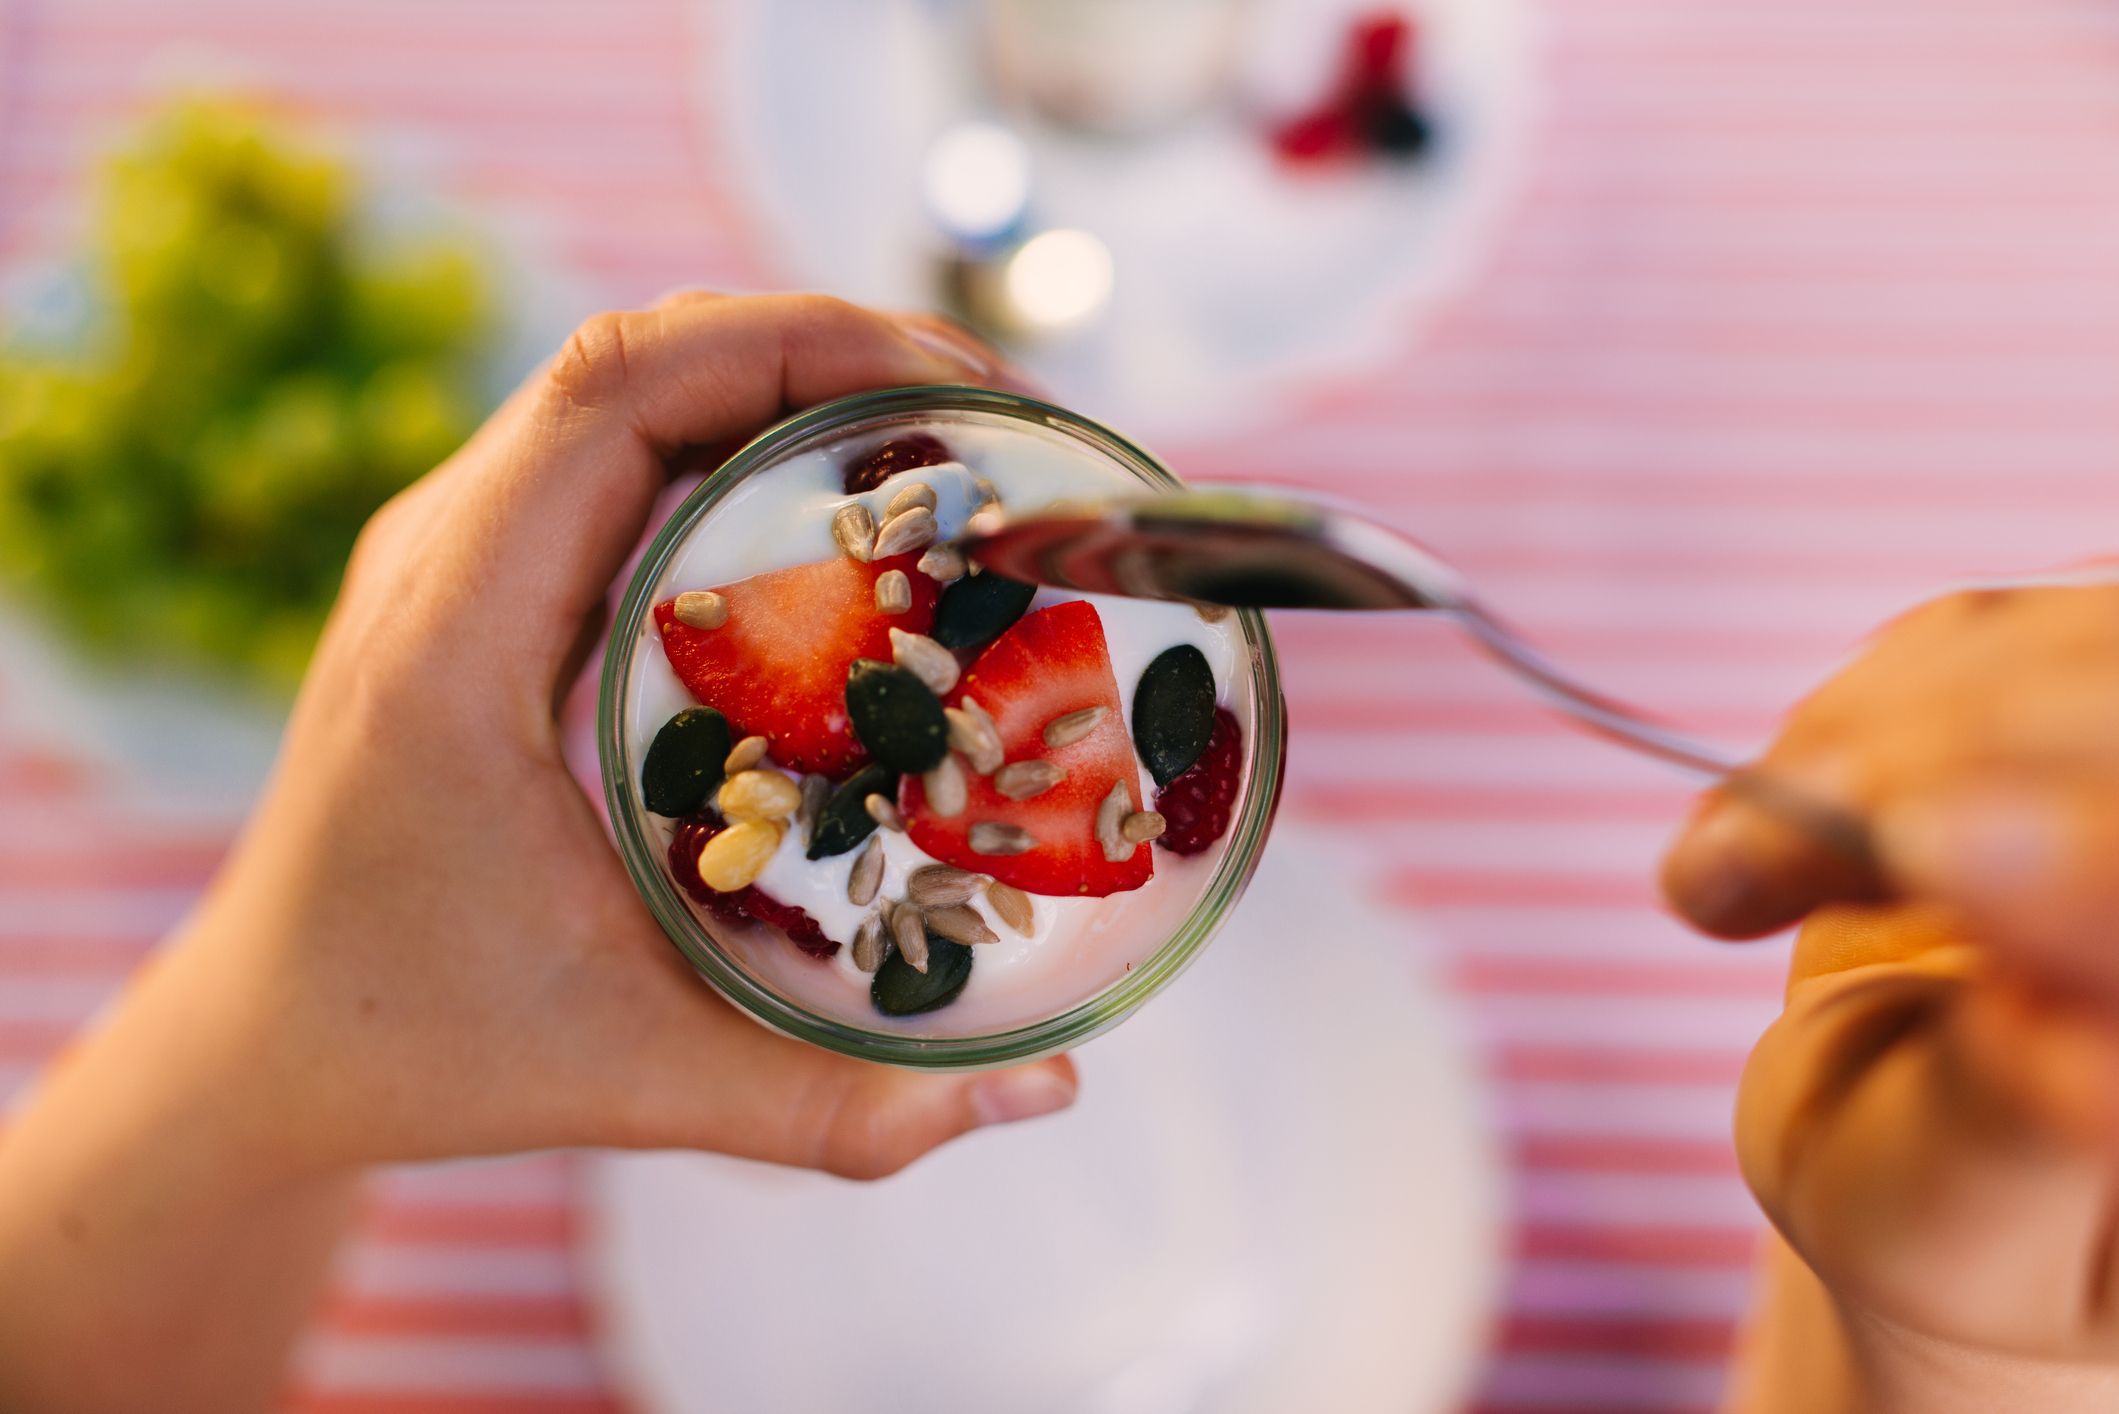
point(759, 795)
point(746, 754)
point(735, 858)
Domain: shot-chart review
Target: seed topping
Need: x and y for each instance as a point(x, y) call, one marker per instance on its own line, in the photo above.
point(941, 886)
point(960, 924)
point(906, 531)
point(866, 880)
point(883, 812)
point(947, 790)
point(1020, 780)
point(745, 754)
point(855, 531)
point(918, 494)
point(972, 732)
point(993, 837)
point(735, 858)
point(1142, 826)
point(1070, 727)
point(893, 592)
point(1110, 823)
point(871, 944)
point(1013, 906)
point(925, 659)
point(701, 608)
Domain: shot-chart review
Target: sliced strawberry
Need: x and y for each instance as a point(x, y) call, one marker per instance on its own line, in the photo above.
point(777, 668)
point(1048, 664)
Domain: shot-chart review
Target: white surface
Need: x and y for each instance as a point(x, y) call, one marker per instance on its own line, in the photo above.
point(1237, 280)
point(1274, 1194)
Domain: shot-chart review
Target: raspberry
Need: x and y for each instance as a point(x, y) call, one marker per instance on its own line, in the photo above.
point(914, 449)
point(746, 903)
point(1198, 805)
point(801, 929)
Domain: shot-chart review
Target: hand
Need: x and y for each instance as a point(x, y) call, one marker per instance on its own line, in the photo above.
point(1933, 1124)
point(444, 951)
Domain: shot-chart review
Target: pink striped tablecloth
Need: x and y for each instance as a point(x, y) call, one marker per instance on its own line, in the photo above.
point(1808, 305)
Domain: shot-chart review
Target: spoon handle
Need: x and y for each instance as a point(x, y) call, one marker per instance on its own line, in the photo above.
point(1844, 834)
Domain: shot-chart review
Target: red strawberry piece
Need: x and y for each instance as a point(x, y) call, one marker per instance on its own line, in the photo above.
point(1049, 663)
point(745, 903)
point(914, 449)
point(1198, 805)
point(777, 668)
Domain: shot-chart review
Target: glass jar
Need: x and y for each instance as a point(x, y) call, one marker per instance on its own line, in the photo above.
point(731, 962)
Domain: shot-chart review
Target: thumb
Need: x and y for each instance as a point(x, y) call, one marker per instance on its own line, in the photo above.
point(2031, 867)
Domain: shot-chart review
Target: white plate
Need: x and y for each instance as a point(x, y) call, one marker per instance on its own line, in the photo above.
point(1237, 281)
point(1275, 1193)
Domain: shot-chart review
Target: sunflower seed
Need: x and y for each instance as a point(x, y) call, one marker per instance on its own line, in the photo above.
point(1020, 780)
point(1070, 727)
point(1013, 905)
point(893, 592)
point(918, 494)
point(960, 925)
point(909, 931)
point(1212, 613)
point(941, 886)
point(986, 520)
point(1110, 818)
point(1142, 826)
point(993, 837)
point(988, 492)
point(883, 812)
point(944, 564)
point(905, 532)
point(815, 791)
point(855, 531)
point(947, 791)
point(925, 659)
point(746, 754)
point(701, 608)
point(871, 944)
point(867, 877)
point(973, 734)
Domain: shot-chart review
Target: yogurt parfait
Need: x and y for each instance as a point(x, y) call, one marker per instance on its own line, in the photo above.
point(900, 805)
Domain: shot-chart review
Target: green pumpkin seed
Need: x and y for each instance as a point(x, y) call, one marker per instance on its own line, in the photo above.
point(684, 765)
point(896, 716)
point(898, 990)
point(1173, 712)
point(844, 821)
point(977, 609)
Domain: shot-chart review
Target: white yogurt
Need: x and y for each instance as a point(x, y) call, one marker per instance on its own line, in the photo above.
point(1079, 946)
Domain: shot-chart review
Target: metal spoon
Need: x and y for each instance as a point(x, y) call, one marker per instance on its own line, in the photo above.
point(1275, 550)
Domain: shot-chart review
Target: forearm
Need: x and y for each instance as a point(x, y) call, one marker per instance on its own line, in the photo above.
point(157, 1250)
point(1803, 1351)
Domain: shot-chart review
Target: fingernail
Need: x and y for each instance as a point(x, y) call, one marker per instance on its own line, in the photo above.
point(1986, 847)
point(1019, 1095)
point(939, 339)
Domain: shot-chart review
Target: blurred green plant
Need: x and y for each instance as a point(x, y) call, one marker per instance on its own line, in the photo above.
point(185, 479)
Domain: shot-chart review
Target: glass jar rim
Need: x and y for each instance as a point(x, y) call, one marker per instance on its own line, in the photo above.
point(1265, 759)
